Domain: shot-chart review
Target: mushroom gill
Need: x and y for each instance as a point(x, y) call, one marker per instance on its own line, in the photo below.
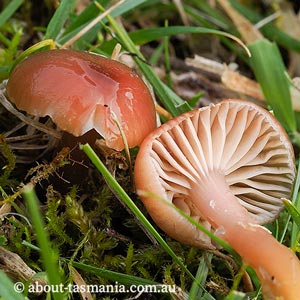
point(234, 139)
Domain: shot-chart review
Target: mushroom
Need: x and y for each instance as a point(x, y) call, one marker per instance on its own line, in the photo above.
point(82, 91)
point(227, 166)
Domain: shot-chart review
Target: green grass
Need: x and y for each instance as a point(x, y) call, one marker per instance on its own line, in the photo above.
point(48, 254)
point(103, 231)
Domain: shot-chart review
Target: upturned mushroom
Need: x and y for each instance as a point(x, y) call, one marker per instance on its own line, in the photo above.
point(227, 166)
point(82, 91)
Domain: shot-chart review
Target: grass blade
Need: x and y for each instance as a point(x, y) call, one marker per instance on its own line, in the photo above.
point(235, 295)
point(9, 10)
point(114, 276)
point(48, 255)
point(59, 18)
point(90, 14)
point(8, 289)
point(42, 44)
point(296, 202)
point(269, 70)
point(78, 23)
point(201, 277)
point(143, 36)
point(293, 211)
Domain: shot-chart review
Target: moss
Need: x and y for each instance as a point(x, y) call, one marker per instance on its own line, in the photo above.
point(8, 163)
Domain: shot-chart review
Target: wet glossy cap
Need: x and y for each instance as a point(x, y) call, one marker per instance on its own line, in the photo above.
point(231, 148)
point(80, 91)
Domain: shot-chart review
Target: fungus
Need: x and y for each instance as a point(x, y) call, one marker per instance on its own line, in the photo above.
point(82, 91)
point(227, 166)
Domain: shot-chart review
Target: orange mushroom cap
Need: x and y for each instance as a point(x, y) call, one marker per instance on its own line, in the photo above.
point(80, 91)
point(227, 166)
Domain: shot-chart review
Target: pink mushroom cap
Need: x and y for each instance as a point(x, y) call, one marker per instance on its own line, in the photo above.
point(82, 91)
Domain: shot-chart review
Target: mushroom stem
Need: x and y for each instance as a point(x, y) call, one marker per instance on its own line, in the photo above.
point(254, 243)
